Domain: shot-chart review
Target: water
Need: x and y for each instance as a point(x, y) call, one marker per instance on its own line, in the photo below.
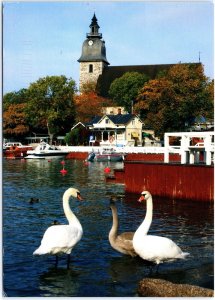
point(96, 269)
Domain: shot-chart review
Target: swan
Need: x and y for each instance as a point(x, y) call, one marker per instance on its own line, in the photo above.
point(156, 249)
point(120, 242)
point(59, 239)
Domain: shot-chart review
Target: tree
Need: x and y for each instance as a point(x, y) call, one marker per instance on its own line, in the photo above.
point(78, 136)
point(14, 121)
point(14, 98)
point(51, 104)
point(89, 105)
point(14, 117)
point(172, 101)
point(89, 86)
point(124, 90)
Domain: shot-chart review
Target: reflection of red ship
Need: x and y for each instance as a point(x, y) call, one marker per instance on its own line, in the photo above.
point(15, 150)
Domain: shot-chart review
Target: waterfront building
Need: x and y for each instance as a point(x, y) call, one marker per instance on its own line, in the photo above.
point(119, 129)
point(95, 67)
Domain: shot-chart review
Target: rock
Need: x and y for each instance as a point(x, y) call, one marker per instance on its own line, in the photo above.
point(150, 287)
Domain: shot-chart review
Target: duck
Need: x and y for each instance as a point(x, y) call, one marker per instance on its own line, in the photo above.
point(34, 200)
point(61, 239)
point(120, 242)
point(55, 222)
point(156, 249)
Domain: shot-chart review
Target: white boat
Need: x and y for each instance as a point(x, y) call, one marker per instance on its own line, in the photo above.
point(45, 151)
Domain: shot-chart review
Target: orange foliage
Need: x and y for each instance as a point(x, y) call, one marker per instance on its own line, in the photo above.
point(89, 105)
point(14, 122)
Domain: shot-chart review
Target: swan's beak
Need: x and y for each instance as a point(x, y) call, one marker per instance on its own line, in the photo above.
point(79, 196)
point(141, 198)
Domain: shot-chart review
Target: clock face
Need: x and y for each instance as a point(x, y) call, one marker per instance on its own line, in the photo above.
point(90, 42)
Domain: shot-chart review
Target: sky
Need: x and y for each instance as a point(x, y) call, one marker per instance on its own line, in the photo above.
point(45, 38)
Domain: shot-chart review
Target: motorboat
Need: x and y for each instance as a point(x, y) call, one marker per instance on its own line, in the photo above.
point(45, 151)
point(106, 155)
point(91, 156)
point(14, 150)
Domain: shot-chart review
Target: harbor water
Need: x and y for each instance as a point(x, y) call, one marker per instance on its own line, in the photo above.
point(96, 270)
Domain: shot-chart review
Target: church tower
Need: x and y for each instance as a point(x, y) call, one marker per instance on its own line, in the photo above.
point(93, 58)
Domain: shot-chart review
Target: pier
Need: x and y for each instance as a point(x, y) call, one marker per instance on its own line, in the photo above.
point(184, 171)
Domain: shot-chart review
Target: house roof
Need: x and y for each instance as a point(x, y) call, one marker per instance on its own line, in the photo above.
point(95, 120)
point(110, 73)
point(78, 124)
point(119, 119)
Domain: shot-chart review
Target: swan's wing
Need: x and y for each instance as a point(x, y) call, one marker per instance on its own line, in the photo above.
point(59, 238)
point(127, 235)
point(157, 248)
point(125, 241)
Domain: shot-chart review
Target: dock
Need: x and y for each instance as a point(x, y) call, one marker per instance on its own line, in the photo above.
point(183, 172)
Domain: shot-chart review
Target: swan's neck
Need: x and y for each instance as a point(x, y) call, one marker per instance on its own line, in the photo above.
point(144, 227)
point(67, 210)
point(114, 229)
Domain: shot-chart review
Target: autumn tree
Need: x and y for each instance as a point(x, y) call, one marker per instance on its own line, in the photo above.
point(14, 116)
point(14, 121)
point(89, 105)
point(172, 101)
point(51, 105)
point(124, 90)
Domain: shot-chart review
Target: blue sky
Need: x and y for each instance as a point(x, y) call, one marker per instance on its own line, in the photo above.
point(45, 38)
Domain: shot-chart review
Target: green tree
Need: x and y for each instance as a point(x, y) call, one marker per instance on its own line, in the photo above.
point(14, 98)
point(124, 90)
point(50, 104)
point(78, 136)
point(171, 102)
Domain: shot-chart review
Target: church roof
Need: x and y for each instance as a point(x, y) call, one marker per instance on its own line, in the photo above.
point(96, 52)
point(93, 48)
point(110, 73)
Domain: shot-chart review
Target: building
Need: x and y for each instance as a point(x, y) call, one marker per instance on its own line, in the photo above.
point(93, 58)
point(119, 130)
point(94, 65)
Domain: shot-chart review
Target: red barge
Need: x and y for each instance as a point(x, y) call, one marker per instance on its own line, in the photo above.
point(169, 180)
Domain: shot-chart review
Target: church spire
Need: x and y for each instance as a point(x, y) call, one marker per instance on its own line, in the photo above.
point(94, 29)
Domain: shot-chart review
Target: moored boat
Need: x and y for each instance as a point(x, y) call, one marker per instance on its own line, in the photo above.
point(15, 150)
point(106, 155)
point(45, 151)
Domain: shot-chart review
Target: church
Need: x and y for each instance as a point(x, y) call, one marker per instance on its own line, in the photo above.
point(121, 128)
point(94, 65)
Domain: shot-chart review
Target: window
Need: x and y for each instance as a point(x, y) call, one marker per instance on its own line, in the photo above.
point(90, 68)
point(106, 121)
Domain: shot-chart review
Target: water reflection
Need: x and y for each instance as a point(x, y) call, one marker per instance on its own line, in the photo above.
point(96, 269)
point(60, 282)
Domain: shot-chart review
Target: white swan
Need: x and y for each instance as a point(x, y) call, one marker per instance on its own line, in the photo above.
point(120, 242)
point(154, 248)
point(59, 239)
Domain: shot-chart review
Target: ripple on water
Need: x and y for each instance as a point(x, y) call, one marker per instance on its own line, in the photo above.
point(96, 269)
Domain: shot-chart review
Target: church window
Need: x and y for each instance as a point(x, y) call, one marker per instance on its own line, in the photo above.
point(90, 68)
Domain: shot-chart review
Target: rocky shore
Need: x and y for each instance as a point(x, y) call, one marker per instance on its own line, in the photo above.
point(150, 287)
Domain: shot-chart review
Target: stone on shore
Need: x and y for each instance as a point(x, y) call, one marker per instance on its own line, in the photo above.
point(150, 287)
